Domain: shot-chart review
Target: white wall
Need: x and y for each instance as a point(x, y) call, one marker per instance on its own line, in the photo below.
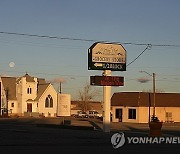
point(12, 109)
point(161, 113)
point(19, 95)
point(142, 114)
point(23, 96)
point(3, 95)
point(125, 113)
point(64, 105)
point(42, 109)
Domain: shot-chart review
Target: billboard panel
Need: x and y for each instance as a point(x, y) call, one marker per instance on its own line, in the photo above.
point(107, 56)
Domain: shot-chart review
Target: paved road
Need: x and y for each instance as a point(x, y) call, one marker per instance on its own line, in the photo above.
point(25, 136)
point(168, 129)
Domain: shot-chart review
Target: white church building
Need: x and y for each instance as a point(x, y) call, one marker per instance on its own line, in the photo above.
point(27, 96)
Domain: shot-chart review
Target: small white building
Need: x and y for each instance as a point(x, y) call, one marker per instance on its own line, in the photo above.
point(28, 96)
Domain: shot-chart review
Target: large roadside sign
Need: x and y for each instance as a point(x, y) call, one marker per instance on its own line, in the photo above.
point(107, 56)
point(107, 80)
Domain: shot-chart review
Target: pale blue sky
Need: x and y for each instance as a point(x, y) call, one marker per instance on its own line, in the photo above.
point(136, 21)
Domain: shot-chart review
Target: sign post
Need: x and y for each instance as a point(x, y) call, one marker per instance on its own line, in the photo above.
point(107, 104)
point(108, 57)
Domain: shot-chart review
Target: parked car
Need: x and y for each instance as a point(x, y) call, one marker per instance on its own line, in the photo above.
point(81, 114)
point(94, 114)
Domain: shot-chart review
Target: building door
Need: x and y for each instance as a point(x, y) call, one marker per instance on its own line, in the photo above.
point(119, 114)
point(29, 107)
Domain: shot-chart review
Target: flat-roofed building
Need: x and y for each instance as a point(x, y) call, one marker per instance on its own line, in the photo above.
point(137, 107)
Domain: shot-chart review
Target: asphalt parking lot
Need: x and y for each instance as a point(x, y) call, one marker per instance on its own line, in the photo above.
point(35, 135)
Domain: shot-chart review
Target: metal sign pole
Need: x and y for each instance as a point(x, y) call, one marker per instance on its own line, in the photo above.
point(107, 104)
point(108, 57)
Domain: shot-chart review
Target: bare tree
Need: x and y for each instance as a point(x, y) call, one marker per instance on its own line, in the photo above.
point(87, 94)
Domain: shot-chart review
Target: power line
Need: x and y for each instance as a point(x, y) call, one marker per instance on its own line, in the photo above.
point(147, 47)
point(49, 45)
point(74, 39)
point(47, 36)
point(87, 40)
point(48, 74)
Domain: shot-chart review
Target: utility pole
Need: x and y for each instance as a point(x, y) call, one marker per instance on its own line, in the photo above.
point(154, 90)
point(107, 104)
point(149, 114)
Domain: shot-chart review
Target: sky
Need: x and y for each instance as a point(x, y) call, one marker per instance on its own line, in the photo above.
point(153, 22)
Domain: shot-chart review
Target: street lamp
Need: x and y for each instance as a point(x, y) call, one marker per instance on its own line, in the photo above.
point(154, 89)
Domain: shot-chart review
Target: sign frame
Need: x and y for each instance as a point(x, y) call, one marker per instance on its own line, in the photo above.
point(110, 58)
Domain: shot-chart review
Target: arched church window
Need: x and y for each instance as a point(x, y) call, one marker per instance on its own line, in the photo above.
point(49, 101)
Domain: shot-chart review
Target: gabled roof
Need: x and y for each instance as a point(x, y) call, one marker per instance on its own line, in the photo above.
point(9, 84)
point(136, 99)
point(41, 81)
point(41, 90)
point(29, 78)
